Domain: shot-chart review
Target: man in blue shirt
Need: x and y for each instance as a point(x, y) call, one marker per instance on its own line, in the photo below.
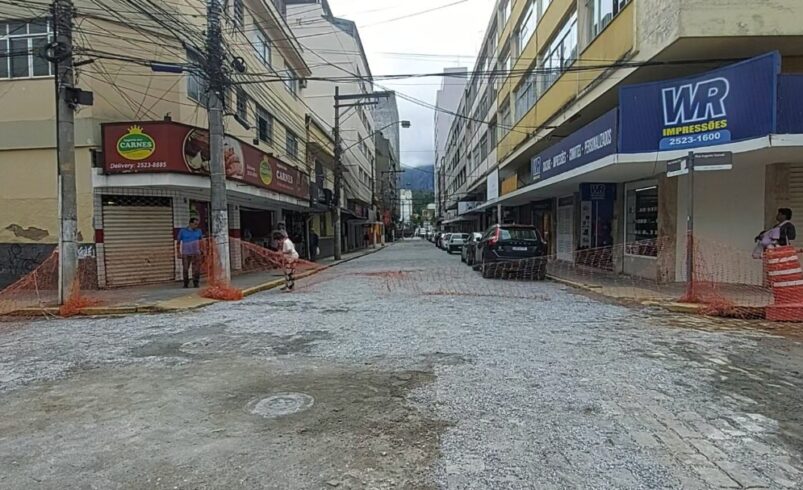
point(189, 249)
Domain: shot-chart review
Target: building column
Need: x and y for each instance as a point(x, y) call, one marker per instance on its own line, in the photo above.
point(667, 229)
point(776, 192)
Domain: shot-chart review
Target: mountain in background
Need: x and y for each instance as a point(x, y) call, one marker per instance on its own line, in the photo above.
point(418, 178)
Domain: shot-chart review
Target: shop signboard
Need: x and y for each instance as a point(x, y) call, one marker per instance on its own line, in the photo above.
point(465, 207)
point(586, 145)
point(492, 186)
point(733, 103)
point(168, 147)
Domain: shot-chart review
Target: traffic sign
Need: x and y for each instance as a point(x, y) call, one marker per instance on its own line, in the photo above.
point(709, 162)
point(676, 168)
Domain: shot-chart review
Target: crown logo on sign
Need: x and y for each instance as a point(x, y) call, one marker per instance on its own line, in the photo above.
point(135, 130)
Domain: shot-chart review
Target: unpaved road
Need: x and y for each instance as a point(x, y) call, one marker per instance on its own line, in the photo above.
point(401, 370)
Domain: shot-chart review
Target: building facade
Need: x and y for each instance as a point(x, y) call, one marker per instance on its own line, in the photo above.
point(132, 202)
point(447, 100)
point(596, 97)
point(332, 46)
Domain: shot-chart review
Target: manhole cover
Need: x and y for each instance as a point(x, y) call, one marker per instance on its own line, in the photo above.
point(280, 404)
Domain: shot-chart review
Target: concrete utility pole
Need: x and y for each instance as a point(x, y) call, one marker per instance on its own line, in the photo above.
point(65, 142)
point(217, 86)
point(338, 178)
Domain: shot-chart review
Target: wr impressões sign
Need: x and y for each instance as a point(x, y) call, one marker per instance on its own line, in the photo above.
point(164, 146)
point(733, 103)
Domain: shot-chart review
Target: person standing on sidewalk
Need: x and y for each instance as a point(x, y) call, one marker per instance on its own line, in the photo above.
point(188, 245)
point(289, 259)
point(314, 241)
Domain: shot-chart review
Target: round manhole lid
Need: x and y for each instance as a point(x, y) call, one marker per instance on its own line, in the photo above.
point(280, 405)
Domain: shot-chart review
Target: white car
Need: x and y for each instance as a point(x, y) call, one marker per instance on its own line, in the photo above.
point(456, 241)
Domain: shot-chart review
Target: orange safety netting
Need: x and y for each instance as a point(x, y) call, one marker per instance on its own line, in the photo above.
point(36, 293)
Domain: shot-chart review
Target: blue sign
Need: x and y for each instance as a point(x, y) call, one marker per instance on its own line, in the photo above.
point(588, 144)
point(733, 103)
point(790, 104)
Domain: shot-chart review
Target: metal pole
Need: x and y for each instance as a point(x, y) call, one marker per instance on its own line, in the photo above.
point(690, 292)
point(220, 208)
point(338, 178)
point(65, 121)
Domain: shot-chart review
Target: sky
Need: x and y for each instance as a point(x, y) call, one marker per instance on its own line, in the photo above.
point(425, 43)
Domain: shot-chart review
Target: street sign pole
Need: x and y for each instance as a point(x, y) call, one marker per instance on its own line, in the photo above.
point(690, 293)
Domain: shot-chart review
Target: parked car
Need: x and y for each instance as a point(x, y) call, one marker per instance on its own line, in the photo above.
point(519, 247)
point(455, 242)
point(469, 252)
point(445, 241)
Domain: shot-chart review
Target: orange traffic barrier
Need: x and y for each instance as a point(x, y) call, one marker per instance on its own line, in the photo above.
point(786, 278)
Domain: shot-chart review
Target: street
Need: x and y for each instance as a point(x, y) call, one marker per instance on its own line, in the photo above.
point(402, 369)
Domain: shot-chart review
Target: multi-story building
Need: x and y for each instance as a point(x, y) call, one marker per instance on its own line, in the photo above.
point(332, 46)
point(406, 205)
point(142, 148)
point(388, 170)
point(595, 97)
point(446, 101)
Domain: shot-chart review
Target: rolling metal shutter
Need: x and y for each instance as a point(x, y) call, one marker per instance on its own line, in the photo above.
point(138, 242)
point(565, 242)
point(796, 192)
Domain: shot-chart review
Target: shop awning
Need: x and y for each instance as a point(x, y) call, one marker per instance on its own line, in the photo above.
point(620, 168)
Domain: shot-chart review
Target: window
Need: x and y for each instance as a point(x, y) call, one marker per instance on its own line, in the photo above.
point(262, 46)
point(492, 136)
point(242, 104)
point(291, 81)
point(525, 97)
point(560, 54)
point(504, 13)
point(196, 83)
point(602, 13)
point(528, 23)
point(264, 125)
point(483, 147)
point(291, 145)
point(642, 220)
point(20, 43)
point(239, 13)
point(506, 121)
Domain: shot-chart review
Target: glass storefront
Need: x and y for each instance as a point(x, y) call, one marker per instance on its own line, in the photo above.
point(642, 220)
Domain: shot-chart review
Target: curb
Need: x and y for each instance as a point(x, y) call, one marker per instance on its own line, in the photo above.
point(201, 303)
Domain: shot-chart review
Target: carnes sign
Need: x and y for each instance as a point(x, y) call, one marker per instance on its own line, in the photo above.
point(733, 103)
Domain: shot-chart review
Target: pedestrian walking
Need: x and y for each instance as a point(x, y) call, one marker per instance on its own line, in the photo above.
point(289, 259)
point(188, 250)
point(314, 241)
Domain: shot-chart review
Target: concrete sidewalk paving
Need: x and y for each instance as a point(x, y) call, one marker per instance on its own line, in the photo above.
point(171, 298)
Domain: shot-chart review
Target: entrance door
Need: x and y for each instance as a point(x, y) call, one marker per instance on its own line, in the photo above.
point(565, 241)
point(138, 240)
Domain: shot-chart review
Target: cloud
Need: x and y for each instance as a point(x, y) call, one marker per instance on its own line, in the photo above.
point(426, 43)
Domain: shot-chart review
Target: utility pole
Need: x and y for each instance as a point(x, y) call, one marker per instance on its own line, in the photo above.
point(217, 86)
point(338, 178)
point(65, 142)
point(691, 294)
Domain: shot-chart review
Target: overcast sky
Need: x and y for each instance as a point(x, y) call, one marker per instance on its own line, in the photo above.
point(423, 43)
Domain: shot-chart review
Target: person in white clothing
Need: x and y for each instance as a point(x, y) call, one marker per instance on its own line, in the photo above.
point(289, 259)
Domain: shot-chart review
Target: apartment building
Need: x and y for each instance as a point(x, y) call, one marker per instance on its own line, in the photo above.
point(130, 203)
point(447, 100)
point(596, 96)
point(333, 48)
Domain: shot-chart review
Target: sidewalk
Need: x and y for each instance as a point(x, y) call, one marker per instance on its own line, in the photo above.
point(172, 297)
point(746, 299)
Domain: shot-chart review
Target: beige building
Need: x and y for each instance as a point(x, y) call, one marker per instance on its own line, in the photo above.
point(569, 67)
point(131, 204)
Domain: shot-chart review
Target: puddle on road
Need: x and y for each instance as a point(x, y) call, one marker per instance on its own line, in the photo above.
point(280, 405)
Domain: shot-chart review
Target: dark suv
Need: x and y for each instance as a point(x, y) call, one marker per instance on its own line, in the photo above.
point(512, 248)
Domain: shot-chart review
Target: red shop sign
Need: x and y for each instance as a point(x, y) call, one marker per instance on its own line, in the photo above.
point(166, 146)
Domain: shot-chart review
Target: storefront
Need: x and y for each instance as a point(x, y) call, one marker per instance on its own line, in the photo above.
point(155, 178)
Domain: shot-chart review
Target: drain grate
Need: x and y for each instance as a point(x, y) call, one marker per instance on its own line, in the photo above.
point(280, 405)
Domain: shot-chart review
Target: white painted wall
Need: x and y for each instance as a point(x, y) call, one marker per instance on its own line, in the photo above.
point(729, 213)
